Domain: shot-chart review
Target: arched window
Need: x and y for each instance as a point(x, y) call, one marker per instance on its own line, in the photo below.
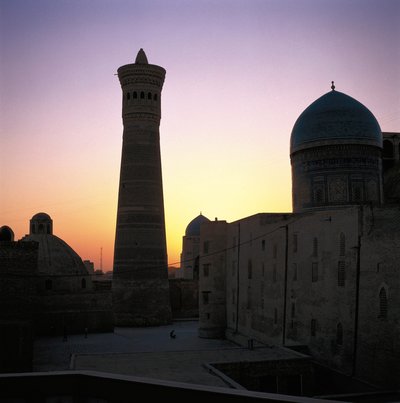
point(41, 229)
point(128, 96)
point(149, 95)
point(315, 247)
point(342, 244)
point(33, 229)
point(339, 334)
point(142, 95)
point(134, 95)
point(83, 283)
point(388, 151)
point(383, 307)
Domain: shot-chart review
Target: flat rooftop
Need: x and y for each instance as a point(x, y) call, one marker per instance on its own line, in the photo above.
point(149, 352)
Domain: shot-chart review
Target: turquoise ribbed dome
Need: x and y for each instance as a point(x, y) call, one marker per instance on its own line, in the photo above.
point(335, 118)
point(193, 228)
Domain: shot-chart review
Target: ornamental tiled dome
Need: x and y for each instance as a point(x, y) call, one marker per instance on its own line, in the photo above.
point(335, 118)
point(193, 228)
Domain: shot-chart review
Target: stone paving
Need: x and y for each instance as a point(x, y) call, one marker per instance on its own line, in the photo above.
point(147, 352)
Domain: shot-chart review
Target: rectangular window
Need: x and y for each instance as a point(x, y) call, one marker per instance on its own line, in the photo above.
point(313, 327)
point(294, 243)
point(263, 245)
point(248, 297)
point(314, 272)
point(206, 269)
point(249, 269)
point(206, 295)
point(341, 273)
point(294, 269)
point(206, 246)
point(315, 247)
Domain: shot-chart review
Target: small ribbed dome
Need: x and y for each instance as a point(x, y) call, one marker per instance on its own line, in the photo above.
point(193, 229)
point(335, 118)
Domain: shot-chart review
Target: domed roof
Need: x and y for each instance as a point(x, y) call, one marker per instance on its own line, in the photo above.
point(56, 256)
point(41, 216)
point(193, 228)
point(335, 118)
point(6, 234)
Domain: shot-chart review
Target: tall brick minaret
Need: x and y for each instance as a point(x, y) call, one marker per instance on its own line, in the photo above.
point(140, 279)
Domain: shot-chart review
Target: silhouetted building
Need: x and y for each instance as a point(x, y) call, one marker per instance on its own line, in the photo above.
point(140, 279)
point(324, 279)
point(45, 289)
point(18, 301)
point(391, 167)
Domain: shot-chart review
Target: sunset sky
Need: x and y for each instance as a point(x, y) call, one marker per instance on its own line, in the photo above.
point(239, 73)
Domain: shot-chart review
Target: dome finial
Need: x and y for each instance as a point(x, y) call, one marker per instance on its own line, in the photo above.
point(333, 86)
point(141, 57)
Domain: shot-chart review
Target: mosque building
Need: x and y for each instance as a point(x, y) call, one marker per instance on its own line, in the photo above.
point(46, 289)
point(189, 267)
point(323, 280)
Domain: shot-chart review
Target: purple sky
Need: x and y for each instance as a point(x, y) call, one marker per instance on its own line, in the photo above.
point(239, 73)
